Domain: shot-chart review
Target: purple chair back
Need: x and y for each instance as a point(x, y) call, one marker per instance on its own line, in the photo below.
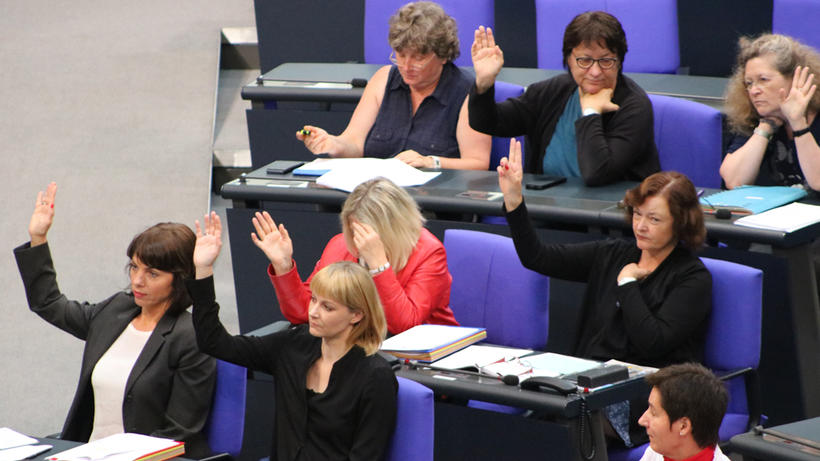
point(469, 14)
point(226, 423)
point(651, 28)
point(501, 146)
point(413, 438)
point(491, 289)
point(689, 138)
point(797, 19)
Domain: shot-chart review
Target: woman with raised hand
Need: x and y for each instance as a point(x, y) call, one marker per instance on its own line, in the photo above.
point(647, 301)
point(383, 230)
point(593, 122)
point(772, 104)
point(141, 369)
point(416, 109)
point(335, 397)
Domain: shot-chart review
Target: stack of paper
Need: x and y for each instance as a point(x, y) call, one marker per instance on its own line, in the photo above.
point(123, 447)
point(427, 343)
point(15, 446)
point(751, 199)
point(787, 218)
point(347, 173)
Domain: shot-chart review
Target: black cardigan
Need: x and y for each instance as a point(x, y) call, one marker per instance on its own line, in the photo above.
point(614, 146)
point(352, 420)
point(657, 321)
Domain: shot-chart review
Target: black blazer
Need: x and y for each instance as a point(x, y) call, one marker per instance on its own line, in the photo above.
point(169, 391)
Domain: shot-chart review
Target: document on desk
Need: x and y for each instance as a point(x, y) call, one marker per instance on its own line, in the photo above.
point(9, 438)
point(24, 452)
point(123, 447)
point(348, 173)
point(787, 218)
point(427, 343)
point(555, 365)
point(477, 356)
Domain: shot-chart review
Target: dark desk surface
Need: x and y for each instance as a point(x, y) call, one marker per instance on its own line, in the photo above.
point(487, 389)
point(770, 448)
point(282, 82)
point(571, 202)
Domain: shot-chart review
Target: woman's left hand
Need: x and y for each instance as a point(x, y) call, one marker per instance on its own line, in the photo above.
point(601, 101)
point(208, 245)
point(794, 106)
point(632, 270)
point(415, 159)
point(369, 244)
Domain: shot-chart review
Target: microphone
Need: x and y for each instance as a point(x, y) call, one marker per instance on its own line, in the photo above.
point(510, 380)
point(723, 213)
point(358, 82)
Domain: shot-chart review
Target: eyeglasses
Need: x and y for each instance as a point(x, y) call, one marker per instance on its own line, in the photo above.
point(420, 61)
point(585, 62)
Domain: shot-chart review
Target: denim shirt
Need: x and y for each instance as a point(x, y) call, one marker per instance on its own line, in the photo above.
point(432, 130)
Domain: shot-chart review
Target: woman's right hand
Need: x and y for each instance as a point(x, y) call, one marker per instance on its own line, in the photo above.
point(510, 176)
point(43, 215)
point(487, 59)
point(317, 140)
point(273, 241)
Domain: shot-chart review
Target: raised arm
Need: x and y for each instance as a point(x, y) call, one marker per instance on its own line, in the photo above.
point(795, 109)
point(351, 142)
point(488, 59)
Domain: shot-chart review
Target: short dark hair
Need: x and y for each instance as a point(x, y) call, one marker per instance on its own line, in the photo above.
point(595, 27)
point(683, 202)
point(691, 390)
point(168, 247)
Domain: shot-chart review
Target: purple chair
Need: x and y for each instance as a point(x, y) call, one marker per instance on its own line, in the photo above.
point(226, 423)
point(797, 19)
point(501, 146)
point(469, 14)
point(651, 28)
point(689, 138)
point(484, 268)
point(413, 437)
point(732, 347)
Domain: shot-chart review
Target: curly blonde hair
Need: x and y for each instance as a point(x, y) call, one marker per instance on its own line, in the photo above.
point(786, 54)
point(424, 27)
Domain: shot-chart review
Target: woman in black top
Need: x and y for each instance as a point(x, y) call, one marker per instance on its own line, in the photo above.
point(335, 399)
point(647, 302)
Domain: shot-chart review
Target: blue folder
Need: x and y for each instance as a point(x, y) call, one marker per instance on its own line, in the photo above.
point(751, 199)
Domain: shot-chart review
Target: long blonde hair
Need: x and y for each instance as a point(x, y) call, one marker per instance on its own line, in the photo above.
point(392, 213)
point(350, 284)
point(786, 54)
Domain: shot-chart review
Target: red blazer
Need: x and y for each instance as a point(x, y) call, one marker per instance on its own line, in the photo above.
point(417, 294)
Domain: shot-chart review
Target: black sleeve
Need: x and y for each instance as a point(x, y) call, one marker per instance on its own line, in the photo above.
point(513, 117)
point(569, 261)
point(257, 353)
point(376, 416)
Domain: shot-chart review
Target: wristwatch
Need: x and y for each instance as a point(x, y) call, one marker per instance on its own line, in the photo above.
point(436, 162)
point(380, 269)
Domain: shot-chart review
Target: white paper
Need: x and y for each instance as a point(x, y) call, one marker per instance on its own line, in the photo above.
point(24, 452)
point(787, 218)
point(351, 172)
point(10, 438)
point(427, 337)
point(479, 356)
point(117, 447)
point(551, 364)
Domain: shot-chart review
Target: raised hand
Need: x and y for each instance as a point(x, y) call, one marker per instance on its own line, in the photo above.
point(318, 141)
point(600, 101)
point(273, 241)
point(794, 105)
point(510, 175)
point(487, 58)
point(43, 215)
point(632, 270)
point(208, 245)
point(368, 244)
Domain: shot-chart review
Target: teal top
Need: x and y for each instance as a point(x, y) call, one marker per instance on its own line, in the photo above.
point(561, 158)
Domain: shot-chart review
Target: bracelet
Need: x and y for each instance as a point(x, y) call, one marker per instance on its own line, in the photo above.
point(436, 162)
point(799, 133)
point(380, 269)
point(763, 133)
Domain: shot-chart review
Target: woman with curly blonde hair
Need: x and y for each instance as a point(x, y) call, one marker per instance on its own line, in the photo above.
point(772, 106)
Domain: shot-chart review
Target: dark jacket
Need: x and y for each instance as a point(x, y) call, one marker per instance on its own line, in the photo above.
point(614, 146)
point(169, 391)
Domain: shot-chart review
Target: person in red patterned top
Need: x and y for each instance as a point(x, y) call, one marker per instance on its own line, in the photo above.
point(382, 229)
